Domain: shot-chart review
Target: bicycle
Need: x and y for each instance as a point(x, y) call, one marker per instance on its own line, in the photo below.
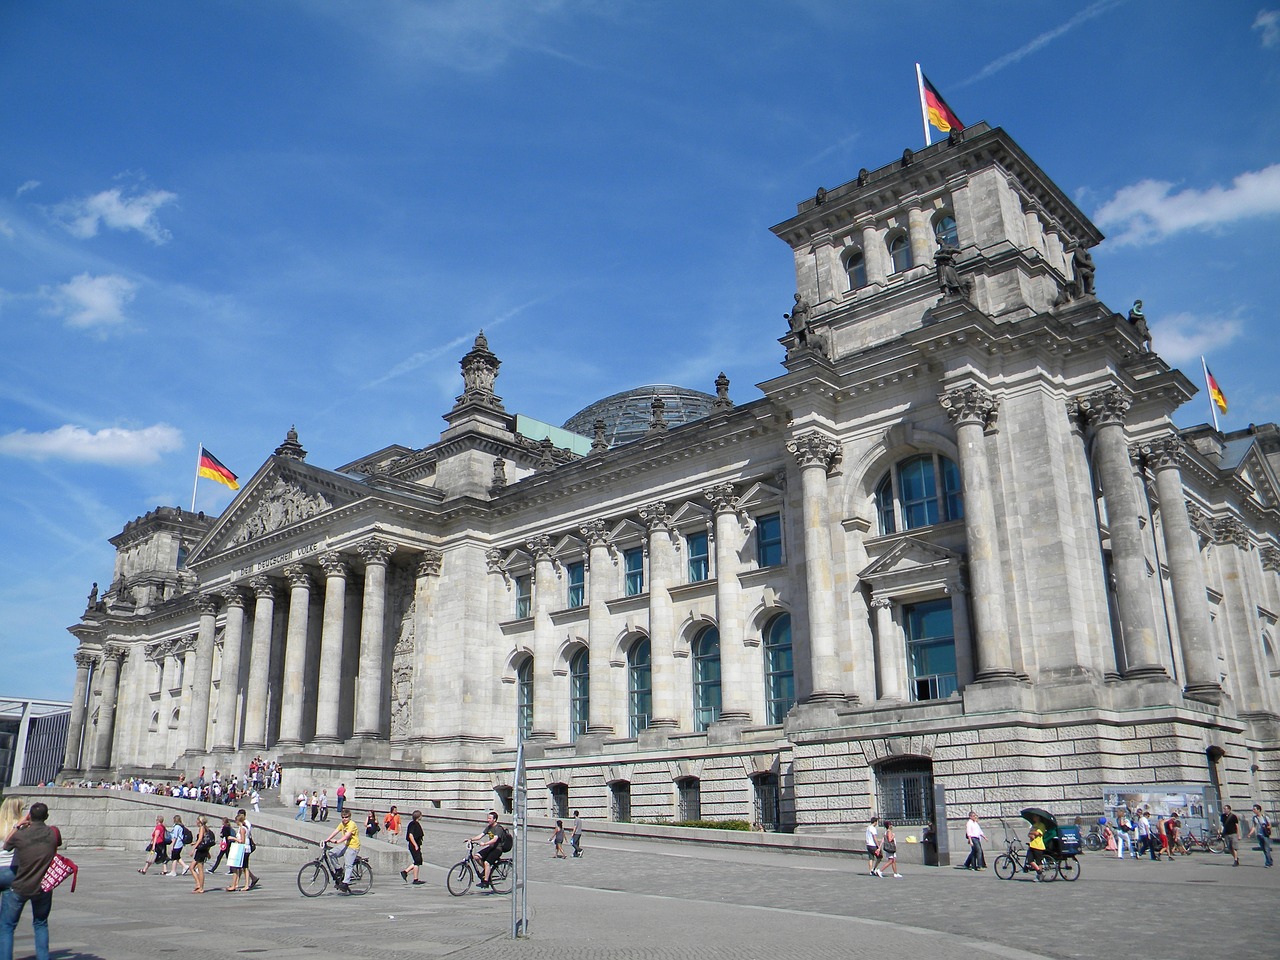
point(1014, 861)
point(466, 871)
point(313, 878)
point(1203, 842)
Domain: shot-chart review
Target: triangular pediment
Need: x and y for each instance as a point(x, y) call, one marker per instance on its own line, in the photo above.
point(911, 561)
point(1255, 474)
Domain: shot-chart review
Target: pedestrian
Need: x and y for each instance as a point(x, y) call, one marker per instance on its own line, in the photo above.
point(315, 805)
point(341, 794)
point(224, 843)
point(302, 806)
point(1146, 843)
point(392, 822)
point(874, 857)
point(1231, 833)
point(1262, 830)
point(178, 834)
point(889, 847)
point(413, 837)
point(10, 817)
point(204, 840)
point(557, 837)
point(249, 847)
point(324, 805)
point(1124, 838)
point(575, 840)
point(371, 827)
point(34, 844)
point(156, 849)
point(350, 846)
point(973, 833)
point(254, 799)
point(236, 856)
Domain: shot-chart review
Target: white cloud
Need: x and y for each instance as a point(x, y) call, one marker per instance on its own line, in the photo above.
point(1184, 337)
point(1150, 211)
point(112, 209)
point(87, 301)
point(1268, 24)
point(114, 446)
point(1043, 39)
point(29, 185)
point(6, 229)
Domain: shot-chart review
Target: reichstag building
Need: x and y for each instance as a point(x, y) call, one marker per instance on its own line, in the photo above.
point(955, 543)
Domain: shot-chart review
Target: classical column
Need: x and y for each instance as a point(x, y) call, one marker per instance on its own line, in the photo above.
point(1105, 411)
point(736, 702)
point(971, 408)
point(544, 639)
point(815, 453)
point(255, 696)
point(874, 255)
point(75, 727)
point(229, 684)
point(202, 676)
point(329, 692)
point(111, 657)
point(186, 698)
point(431, 675)
point(923, 243)
point(369, 699)
point(295, 655)
point(961, 631)
point(599, 629)
point(1182, 547)
point(891, 652)
point(662, 619)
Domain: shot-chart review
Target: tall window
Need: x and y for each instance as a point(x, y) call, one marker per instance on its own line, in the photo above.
point(524, 698)
point(769, 540)
point(706, 678)
point(905, 788)
point(900, 253)
point(911, 496)
point(579, 695)
point(689, 795)
point(931, 649)
point(559, 800)
point(768, 808)
point(620, 801)
point(577, 576)
point(639, 686)
point(779, 672)
point(944, 229)
point(855, 266)
point(699, 559)
point(524, 595)
point(633, 565)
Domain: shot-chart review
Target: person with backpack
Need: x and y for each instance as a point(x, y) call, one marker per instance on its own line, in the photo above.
point(494, 840)
point(179, 837)
point(1262, 830)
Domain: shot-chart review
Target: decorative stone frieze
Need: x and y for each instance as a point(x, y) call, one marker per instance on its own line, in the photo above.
point(286, 503)
point(971, 404)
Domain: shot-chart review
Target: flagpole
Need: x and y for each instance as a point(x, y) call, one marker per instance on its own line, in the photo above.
point(1213, 407)
point(924, 110)
point(196, 481)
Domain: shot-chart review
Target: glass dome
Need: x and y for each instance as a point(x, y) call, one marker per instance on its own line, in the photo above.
point(627, 415)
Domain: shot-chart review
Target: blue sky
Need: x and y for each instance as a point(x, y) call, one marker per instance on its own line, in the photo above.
point(219, 219)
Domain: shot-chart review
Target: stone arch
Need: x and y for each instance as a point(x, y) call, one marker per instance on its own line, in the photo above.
point(622, 643)
point(899, 442)
point(513, 661)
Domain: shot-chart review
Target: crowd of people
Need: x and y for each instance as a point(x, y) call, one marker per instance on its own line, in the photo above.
point(232, 788)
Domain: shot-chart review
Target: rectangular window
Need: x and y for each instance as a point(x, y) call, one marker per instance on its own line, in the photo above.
point(620, 796)
point(559, 800)
point(931, 650)
point(633, 563)
point(767, 805)
point(769, 540)
point(699, 559)
point(524, 596)
point(577, 576)
point(690, 796)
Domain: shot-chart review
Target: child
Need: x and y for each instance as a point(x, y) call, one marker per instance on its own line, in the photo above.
point(889, 847)
point(557, 837)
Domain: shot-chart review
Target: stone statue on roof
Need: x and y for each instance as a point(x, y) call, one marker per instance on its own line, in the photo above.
point(1139, 321)
point(1082, 264)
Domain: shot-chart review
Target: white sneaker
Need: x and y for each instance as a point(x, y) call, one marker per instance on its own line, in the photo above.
point(897, 876)
point(878, 874)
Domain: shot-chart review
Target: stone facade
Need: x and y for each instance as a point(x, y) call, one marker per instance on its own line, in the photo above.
point(957, 542)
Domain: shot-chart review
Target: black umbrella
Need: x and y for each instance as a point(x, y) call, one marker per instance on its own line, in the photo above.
point(1032, 814)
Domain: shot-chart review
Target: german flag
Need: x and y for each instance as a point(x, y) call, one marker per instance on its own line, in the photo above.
point(1215, 391)
point(211, 467)
point(940, 115)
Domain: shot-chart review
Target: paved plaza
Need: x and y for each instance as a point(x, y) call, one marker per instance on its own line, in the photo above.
point(657, 900)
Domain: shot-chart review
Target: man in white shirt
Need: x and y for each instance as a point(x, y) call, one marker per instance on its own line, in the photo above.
point(973, 832)
point(874, 856)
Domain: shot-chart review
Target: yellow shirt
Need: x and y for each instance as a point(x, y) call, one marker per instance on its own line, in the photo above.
point(352, 832)
point(1037, 840)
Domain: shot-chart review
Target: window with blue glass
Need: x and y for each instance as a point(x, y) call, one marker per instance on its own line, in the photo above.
point(919, 492)
point(633, 567)
point(576, 574)
point(524, 698)
point(855, 267)
point(639, 687)
point(779, 670)
point(900, 253)
point(944, 229)
point(706, 678)
point(931, 649)
point(524, 595)
point(769, 540)
point(699, 559)
point(579, 693)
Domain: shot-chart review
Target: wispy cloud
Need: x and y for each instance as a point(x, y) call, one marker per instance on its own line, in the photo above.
point(87, 301)
point(114, 446)
point(1184, 337)
point(1096, 9)
point(115, 210)
point(1150, 211)
point(26, 187)
point(1268, 24)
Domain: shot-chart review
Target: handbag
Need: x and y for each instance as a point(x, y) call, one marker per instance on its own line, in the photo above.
point(59, 869)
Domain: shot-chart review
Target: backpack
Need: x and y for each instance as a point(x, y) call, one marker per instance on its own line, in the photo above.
point(186, 836)
point(504, 838)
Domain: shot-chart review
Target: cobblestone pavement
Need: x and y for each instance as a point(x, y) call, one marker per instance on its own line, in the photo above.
point(629, 900)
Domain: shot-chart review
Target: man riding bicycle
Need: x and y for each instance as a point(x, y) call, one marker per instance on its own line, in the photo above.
point(349, 834)
point(494, 841)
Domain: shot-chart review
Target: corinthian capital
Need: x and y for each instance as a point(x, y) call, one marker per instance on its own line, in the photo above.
point(375, 550)
point(85, 660)
point(298, 575)
point(263, 588)
point(429, 563)
point(540, 547)
point(1105, 407)
point(970, 404)
point(596, 533)
point(114, 651)
point(206, 604)
point(1271, 559)
point(334, 565)
point(233, 597)
point(1162, 453)
point(723, 497)
point(1231, 530)
point(655, 516)
point(814, 450)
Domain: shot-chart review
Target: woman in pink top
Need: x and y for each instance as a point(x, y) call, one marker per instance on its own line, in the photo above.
point(156, 849)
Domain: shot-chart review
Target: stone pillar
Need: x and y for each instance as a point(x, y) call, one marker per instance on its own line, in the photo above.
point(369, 699)
point(1186, 573)
point(202, 677)
point(961, 630)
point(600, 629)
point(75, 726)
point(544, 640)
point(662, 620)
point(187, 698)
point(111, 657)
point(923, 243)
point(229, 685)
point(736, 702)
point(874, 255)
point(295, 655)
point(255, 696)
point(430, 668)
point(329, 694)
point(891, 653)
point(815, 453)
point(1105, 411)
point(971, 409)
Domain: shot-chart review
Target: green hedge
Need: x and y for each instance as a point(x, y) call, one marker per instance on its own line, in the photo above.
point(703, 824)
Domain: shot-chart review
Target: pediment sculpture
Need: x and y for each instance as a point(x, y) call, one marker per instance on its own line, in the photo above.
point(286, 503)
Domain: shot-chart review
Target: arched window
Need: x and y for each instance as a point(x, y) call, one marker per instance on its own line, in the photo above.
point(706, 678)
point(944, 229)
point(779, 673)
point(900, 253)
point(639, 686)
point(524, 698)
point(855, 267)
point(579, 695)
point(911, 495)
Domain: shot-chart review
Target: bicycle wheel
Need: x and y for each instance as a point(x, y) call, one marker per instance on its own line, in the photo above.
point(1005, 867)
point(459, 879)
point(1092, 842)
point(1216, 845)
point(500, 876)
point(313, 879)
point(361, 879)
point(1049, 870)
point(1069, 869)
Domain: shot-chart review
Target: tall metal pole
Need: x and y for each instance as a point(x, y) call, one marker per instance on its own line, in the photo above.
point(520, 888)
point(924, 110)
